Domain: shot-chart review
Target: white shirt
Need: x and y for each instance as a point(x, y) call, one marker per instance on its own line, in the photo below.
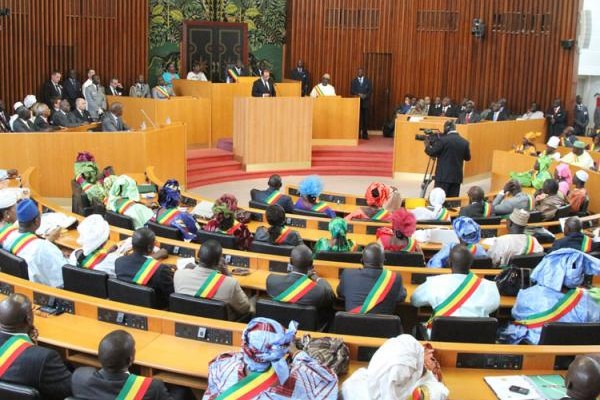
point(507, 246)
point(324, 90)
point(582, 161)
point(530, 115)
point(107, 265)
point(192, 76)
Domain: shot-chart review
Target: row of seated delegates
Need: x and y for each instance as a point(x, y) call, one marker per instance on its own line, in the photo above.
point(381, 200)
point(310, 188)
point(575, 238)
point(469, 234)
point(517, 242)
point(272, 194)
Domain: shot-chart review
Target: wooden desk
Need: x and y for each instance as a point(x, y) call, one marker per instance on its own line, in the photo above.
point(335, 121)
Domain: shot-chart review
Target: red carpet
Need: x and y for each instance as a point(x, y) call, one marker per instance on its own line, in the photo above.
point(371, 158)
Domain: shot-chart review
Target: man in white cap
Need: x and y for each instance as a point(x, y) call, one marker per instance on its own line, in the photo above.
point(551, 147)
point(94, 252)
point(578, 195)
point(29, 100)
point(516, 242)
point(579, 157)
point(323, 88)
point(8, 213)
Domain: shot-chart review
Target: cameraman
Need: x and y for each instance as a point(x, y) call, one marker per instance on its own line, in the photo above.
point(451, 152)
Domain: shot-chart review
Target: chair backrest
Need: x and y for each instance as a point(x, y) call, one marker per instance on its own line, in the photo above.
point(79, 200)
point(11, 391)
point(164, 231)
point(118, 220)
point(257, 204)
point(85, 281)
point(568, 333)
point(535, 216)
point(563, 212)
point(527, 261)
point(207, 308)
point(406, 259)
point(433, 222)
point(488, 220)
point(226, 241)
point(345, 257)
point(131, 293)
point(13, 265)
point(373, 325)
point(464, 330)
point(268, 248)
point(306, 316)
point(482, 263)
point(309, 213)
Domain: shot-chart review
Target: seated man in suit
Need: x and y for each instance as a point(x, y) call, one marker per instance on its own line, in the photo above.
point(550, 200)
point(33, 366)
point(575, 238)
point(301, 285)
point(140, 88)
point(116, 353)
point(516, 242)
point(264, 87)
point(61, 117)
point(41, 122)
point(478, 207)
point(273, 195)
point(113, 120)
point(23, 121)
point(497, 114)
point(115, 88)
point(141, 268)
point(469, 115)
point(358, 286)
point(80, 114)
point(210, 280)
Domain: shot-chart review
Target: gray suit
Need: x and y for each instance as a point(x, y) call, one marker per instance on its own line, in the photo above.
point(504, 206)
point(142, 91)
point(23, 126)
point(60, 118)
point(112, 123)
point(96, 100)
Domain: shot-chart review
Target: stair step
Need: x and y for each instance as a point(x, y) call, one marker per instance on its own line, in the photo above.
point(352, 162)
point(207, 167)
point(201, 153)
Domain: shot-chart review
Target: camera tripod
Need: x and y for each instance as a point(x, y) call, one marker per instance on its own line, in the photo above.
point(428, 177)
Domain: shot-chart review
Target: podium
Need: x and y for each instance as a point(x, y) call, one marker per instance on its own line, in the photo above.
point(335, 121)
point(272, 133)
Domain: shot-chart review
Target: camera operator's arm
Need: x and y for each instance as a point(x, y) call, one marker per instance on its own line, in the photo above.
point(467, 156)
point(433, 148)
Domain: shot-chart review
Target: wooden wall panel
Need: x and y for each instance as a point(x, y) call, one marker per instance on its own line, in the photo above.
point(110, 36)
point(433, 51)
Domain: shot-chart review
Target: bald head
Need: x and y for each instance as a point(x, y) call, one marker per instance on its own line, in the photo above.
point(583, 377)
point(301, 259)
point(373, 256)
point(460, 259)
point(16, 314)
point(116, 351)
point(210, 254)
point(572, 225)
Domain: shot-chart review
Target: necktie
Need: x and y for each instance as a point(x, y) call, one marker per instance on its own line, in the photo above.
point(57, 89)
point(267, 85)
point(468, 118)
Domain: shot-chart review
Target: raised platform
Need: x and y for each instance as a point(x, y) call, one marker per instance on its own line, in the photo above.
point(370, 158)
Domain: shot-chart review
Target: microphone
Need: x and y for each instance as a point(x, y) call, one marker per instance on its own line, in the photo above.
point(148, 118)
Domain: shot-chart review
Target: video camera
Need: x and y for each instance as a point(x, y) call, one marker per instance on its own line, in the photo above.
point(428, 134)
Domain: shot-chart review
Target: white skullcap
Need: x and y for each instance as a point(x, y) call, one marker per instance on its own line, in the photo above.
point(437, 197)
point(17, 105)
point(29, 100)
point(554, 142)
point(8, 198)
point(93, 232)
point(582, 175)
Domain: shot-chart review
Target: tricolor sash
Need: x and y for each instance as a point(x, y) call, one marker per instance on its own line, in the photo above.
point(146, 271)
point(560, 309)
point(233, 229)
point(319, 91)
point(444, 215)
point(85, 185)
point(11, 350)
point(530, 202)
point(163, 90)
point(586, 244)
point(232, 74)
point(296, 291)
point(378, 292)
point(419, 393)
point(381, 215)
point(461, 294)
point(411, 245)
point(123, 205)
point(251, 386)
point(21, 242)
point(529, 246)
point(487, 210)
point(472, 248)
point(211, 286)
point(319, 207)
point(273, 197)
point(285, 232)
point(168, 216)
point(5, 231)
point(135, 388)
point(94, 258)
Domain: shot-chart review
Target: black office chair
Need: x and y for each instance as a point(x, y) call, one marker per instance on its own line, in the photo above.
point(13, 265)
point(571, 334)
point(257, 204)
point(227, 241)
point(268, 248)
point(464, 330)
point(118, 220)
point(85, 281)
point(488, 220)
point(433, 222)
point(563, 212)
point(131, 293)
point(404, 259)
point(482, 263)
point(373, 325)
point(164, 231)
point(189, 305)
point(306, 316)
point(309, 213)
point(12, 391)
point(343, 257)
point(535, 216)
point(527, 261)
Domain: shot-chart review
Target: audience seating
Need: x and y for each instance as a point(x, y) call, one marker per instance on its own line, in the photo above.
point(85, 281)
point(309, 213)
point(13, 265)
point(131, 293)
point(345, 257)
point(535, 216)
point(433, 222)
point(227, 241)
point(306, 316)
point(12, 391)
point(80, 204)
point(207, 308)
point(371, 325)
point(164, 231)
point(119, 220)
point(527, 261)
point(569, 333)
point(464, 330)
point(482, 263)
point(405, 259)
point(268, 248)
point(563, 212)
point(257, 204)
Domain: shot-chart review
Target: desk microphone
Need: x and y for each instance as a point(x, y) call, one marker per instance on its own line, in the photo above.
point(148, 118)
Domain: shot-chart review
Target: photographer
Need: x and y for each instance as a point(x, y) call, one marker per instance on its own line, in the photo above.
point(451, 151)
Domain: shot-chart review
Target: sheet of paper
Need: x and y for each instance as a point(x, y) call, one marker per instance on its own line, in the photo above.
point(501, 384)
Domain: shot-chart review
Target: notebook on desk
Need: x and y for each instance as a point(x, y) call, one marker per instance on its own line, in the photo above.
point(540, 387)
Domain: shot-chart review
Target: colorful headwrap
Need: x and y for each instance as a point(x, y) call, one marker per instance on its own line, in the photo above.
point(265, 343)
point(338, 227)
point(122, 187)
point(544, 162)
point(311, 186)
point(87, 169)
point(169, 195)
point(225, 206)
point(564, 173)
point(404, 222)
point(377, 194)
point(530, 136)
point(85, 156)
point(565, 267)
point(467, 230)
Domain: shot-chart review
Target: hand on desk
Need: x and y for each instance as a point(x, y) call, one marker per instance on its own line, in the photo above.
point(160, 254)
point(54, 234)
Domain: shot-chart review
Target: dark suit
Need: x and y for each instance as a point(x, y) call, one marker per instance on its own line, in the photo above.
point(111, 123)
point(473, 210)
point(162, 281)
point(61, 118)
point(355, 285)
point(451, 152)
point(560, 121)
point(4, 125)
point(435, 110)
point(80, 117)
point(473, 118)
point(111, 91)
point(582, 119)
point(72, 91)
point(301, 76)
point(572, 241)
point(451, 111)
point(259, 88)
point(502, 116)
point(39, 368)
point(51, 91)
point(23, 126)
point(284, 201)
point(91, 384)
point(365, 88)
point(41, 125)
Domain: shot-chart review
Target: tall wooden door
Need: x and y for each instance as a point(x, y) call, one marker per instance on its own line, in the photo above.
point(378, 68)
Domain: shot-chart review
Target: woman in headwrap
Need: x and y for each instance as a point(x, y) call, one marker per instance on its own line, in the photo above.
point(527, 147)
point(8, 208)
point(536, 177)
point(277, 232)
point(436, 210)
point(469, 234)
point(268, 348)
point(382, 200)
point(310, 188)
point(564, 177)
point(338, 228)
point(169, 213)
point(400, 369)
point(95, 251)
point(230, 220)
point(558, 278)
point(123, 198)
point(399, 237)
point(89, 177)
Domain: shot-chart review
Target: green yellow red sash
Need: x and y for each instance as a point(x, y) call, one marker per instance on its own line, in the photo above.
point(487, 210)
point(21, 242)
point(378, 292)
point(94, 258)
point(319, 91)
point(273, 197)
point(419, 393)
point(146, 271)
point(530, 202)
point(285, 232)
point(5, 231)
point(168, 216)
point(135, 388)
point(411, 245)
point(460, 295)
point(11, 350)
point(251, 386)
point(319, 207)
point(211, 286)
point(232, 74)
point(233, 229)
point(296, 291)
point(586, 244)
point(85, 185)
point(560, 309)
point(444, 215)
point(529, 246)
point(123, 205)
point(163, 90)
point(381, 215)
point(472, 248)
